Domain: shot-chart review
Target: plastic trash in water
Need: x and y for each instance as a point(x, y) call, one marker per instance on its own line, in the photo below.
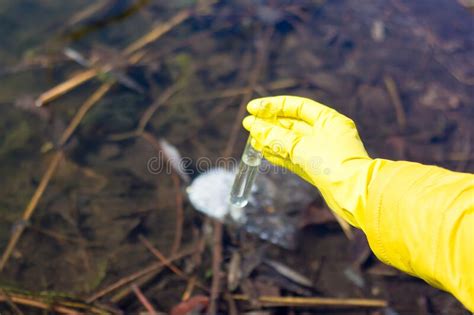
point(275, 202)
point(245, 177)
point(209, 193)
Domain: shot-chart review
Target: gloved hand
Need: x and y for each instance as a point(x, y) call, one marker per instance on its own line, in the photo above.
point(315, 142)
point(417, 218)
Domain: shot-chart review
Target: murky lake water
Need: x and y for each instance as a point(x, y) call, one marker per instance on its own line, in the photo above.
point(403, 70)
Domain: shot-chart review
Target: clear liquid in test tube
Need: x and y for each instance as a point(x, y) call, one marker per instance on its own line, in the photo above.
point(248, 169)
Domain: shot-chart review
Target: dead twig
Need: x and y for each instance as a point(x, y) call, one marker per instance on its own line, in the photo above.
point(132, 53)
point(66, 86)
point(143, 300)
point(62, 306)
point(91, 101)
point(216, 267)
point(116, 298)
point(150, 111)
point(168, 93)
point(392, 90)
point(200, 243)
point(465, 153)
point(42, 305)
point(232, 306)
point(179, 214)
point(275, 85)
point(61, 238)
point(179, 197)
point(157, 32)
point(147, 115)
point(137, 275)
point(88, 11)
point(189, 289)
point(123, 136)
point(28, 212)
point(10, 303)
point(346, 228)
point(76, 120)
point(315, 302)
point(161, 257)
point(230, 94)
point(166, 262)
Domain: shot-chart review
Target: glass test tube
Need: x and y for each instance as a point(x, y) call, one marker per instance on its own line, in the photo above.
point(248, 168)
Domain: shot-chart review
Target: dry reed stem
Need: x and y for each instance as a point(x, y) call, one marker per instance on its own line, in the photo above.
point(62, 309)
point(28, 212)
point(275, 85)
point(66, 86)
point(273, 301)
point(466, 147)
point(123, 136)
point(87, 12)
point(231, 305)
point(392, 90)
point(179, 198)
point(87, 105)
point(146, 116)
point(143, 300)
point(166, 262)
point(157, 32)
point(42, 305)
point(116, 298)
point(148, 137)
point(161, 257)
point(58, 237)
point(179, 214)
point(167, 94)
point(10, 303)
point(346, 228)
point(134, 56)
point(189, 288)
point(216, 267)
point(137, 275)
point(150, 111)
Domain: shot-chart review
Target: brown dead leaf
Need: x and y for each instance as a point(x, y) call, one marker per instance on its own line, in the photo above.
point(194, 305)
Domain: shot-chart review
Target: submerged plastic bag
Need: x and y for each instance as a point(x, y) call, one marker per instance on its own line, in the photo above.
point(273, 212)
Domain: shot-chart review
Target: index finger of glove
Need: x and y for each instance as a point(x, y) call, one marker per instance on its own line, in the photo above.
point(295, 125)
point(280, 141)
point(289, 107)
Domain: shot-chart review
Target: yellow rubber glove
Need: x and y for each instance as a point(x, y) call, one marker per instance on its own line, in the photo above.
point(417, 218)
